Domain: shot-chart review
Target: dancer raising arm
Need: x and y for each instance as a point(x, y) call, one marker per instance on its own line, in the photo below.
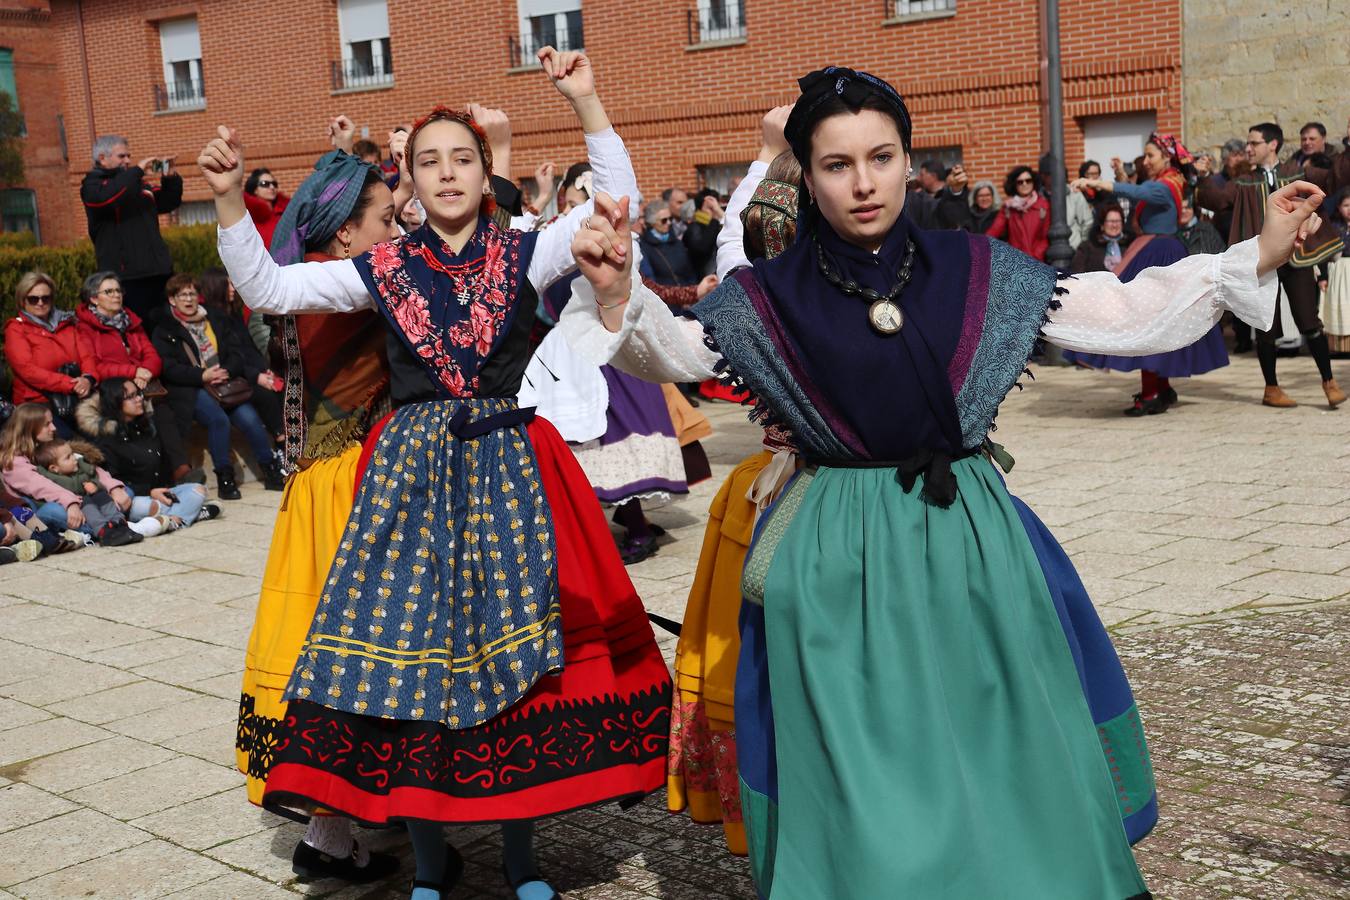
point(904, 680)
point(476, 560)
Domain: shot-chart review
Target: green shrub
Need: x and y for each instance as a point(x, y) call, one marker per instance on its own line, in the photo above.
point(18, 239)
point(192, 248)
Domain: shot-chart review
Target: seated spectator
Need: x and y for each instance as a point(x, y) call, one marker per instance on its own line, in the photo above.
point(50, 366)
point(984, 205)
point(1105, 245)
point(116, 339)
point(58, 462)
point(1024, 218)
point(210, 363)
point(265, 202)
point(23, 435)
point(24, 525)
point(118, 418)
point(665, 259)
point(700, 238)
point(217, 292)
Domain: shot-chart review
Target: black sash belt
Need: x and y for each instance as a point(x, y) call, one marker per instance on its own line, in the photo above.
point(462, 428)
point(939, 484)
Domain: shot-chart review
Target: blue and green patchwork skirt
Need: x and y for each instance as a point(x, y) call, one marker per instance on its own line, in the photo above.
point(914, 714)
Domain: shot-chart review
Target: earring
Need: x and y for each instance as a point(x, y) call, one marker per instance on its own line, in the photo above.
point(346, 251)
point(909, 176)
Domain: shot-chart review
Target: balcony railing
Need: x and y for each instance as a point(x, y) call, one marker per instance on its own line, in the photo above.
point(903, 8)
point(522, 49)
point(176, 95)
point(356, 74)
point(715, 20)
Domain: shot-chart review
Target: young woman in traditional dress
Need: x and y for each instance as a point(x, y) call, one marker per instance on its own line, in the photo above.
point(478, 653)
point(1156, 216)
point(909, 716)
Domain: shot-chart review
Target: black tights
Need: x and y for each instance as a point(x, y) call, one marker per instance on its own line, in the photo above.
point(1317, 346)
point(629, 516)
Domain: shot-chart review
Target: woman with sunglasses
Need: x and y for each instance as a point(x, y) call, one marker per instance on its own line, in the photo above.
point(265, 202)
point(1024, 218)
point(50, 367)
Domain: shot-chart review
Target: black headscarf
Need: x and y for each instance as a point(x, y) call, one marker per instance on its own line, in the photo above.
point(853, 88)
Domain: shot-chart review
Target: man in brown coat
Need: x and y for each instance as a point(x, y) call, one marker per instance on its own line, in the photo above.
point(1246, 198)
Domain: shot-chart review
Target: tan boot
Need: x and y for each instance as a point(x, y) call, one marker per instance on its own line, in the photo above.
point(1275, 396)
point(1335, 396)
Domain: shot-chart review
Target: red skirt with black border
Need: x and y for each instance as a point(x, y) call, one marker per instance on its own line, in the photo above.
point(595, 733)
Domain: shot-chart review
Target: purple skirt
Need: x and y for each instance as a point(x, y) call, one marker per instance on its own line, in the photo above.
point(639, 454)
point(1205, 355)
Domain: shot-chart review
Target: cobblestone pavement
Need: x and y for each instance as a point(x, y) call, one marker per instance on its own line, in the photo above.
point(1215, 540)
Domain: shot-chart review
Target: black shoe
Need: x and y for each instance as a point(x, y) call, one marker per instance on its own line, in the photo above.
point(311, 863)
point(1150, 407)
point(118, 535)
point(226, 487)
point(209, 511)
point(8, 555)
point(529, 876)
point(635, 550)
point(1169, 396)
point(454, 868)
point(273, 479)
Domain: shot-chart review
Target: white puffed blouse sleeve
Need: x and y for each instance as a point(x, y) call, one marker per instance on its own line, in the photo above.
point(1165, 308)
point(312, 287)
point(652, 343)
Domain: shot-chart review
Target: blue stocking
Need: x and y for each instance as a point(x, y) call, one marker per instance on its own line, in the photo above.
point(428, 840)
point(518, 859)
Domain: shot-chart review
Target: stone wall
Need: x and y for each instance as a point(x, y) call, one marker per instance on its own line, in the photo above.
point(1249, 61)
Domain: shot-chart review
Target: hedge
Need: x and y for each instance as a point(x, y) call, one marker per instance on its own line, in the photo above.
point(192, 248)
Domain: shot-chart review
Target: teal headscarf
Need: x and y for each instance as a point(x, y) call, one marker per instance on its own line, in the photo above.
point(319, 207)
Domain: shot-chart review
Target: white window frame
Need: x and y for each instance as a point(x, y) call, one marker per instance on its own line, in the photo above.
point(531, 10)
point(731, 12)
point(180, 45)
point(364, 25)
point(922, 9)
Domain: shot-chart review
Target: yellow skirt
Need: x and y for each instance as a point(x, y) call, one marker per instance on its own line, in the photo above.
point(314, 511)
point(701, 766)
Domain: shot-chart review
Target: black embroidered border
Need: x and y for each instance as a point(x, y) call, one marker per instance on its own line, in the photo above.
point(257, 736)
point(516, 753)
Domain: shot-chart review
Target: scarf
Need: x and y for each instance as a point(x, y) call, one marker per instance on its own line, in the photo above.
point(196, 326)
point(842, 356)
point(323, 202)
point(1018, 203)
point(121, 320)
point(1112, 253)
point(450, 309)
point(53, 320)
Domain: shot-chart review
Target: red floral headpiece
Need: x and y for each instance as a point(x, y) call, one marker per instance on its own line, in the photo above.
point(446, 114)
point(1169, 145)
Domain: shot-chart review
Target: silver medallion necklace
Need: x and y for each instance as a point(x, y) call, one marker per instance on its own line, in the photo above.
point(883, 312)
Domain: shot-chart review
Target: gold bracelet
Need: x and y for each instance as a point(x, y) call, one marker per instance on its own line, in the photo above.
point(612, 305)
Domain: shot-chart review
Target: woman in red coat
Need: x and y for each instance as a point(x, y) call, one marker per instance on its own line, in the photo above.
point(50, 367)
point(265, 202)
point(1024, 219)
point(115, 341)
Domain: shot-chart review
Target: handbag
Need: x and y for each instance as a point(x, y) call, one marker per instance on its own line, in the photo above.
point(63, 405)
point(155, 390)
point(232, 393)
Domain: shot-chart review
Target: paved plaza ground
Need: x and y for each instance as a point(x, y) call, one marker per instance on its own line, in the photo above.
point(1214, 539)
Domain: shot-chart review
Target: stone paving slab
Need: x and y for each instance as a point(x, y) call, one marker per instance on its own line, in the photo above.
point(1214, 539)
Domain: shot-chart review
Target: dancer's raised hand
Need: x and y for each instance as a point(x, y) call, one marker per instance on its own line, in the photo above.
point(342, 133)
point(222, 162)
point(1291, 217)
point(569, 70)
point(603, 249)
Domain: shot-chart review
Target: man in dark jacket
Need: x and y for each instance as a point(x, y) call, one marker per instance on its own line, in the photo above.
point(700, 238)
point(123, 213)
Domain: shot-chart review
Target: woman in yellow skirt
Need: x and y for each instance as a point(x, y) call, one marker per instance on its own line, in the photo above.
point(337, 381)
point(701, 765)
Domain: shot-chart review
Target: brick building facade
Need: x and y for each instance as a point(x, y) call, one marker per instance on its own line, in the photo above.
point(684, 82)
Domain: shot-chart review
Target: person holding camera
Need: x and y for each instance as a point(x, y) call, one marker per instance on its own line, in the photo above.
point(123, 211)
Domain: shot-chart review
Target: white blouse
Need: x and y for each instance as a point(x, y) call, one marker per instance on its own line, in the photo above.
point(1162, 309)
point(336, 286)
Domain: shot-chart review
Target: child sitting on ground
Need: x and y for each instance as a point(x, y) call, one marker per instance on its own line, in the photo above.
point(21, 524)
point(59, 462)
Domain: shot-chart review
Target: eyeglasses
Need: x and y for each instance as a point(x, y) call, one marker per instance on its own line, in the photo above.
point(661, 220)
point(1256, 143)
point(267, 184)
point(138, 395)
point(38, 298)
point(185, 295)
point(111, 292)
point(1025, 180)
